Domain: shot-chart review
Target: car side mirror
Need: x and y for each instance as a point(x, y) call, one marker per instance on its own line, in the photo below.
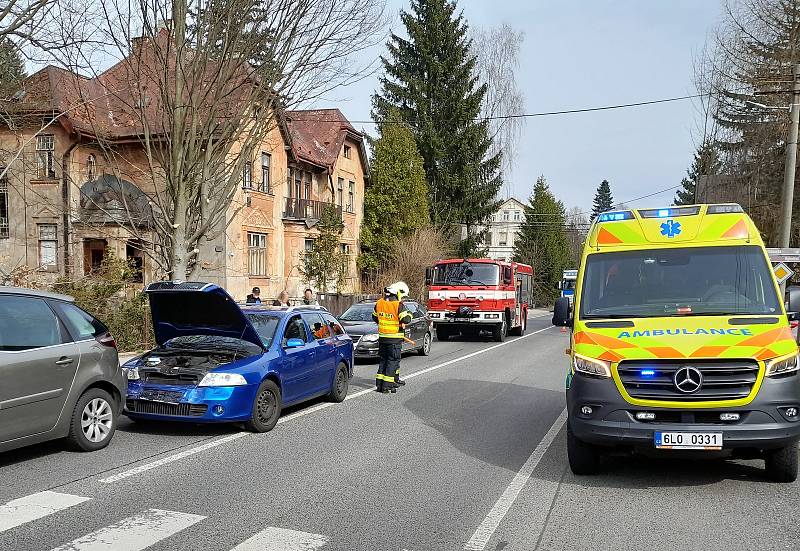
point(562, 317)
point(294, 343)
point(793, 302)
point(428, 276)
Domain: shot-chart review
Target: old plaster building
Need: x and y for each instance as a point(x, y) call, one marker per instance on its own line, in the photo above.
point(502, 229)
point(64, 200)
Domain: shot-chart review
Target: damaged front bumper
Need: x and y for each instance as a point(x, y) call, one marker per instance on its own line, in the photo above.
point(222, 404)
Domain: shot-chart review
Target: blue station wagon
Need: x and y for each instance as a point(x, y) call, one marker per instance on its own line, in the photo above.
point(217, 361)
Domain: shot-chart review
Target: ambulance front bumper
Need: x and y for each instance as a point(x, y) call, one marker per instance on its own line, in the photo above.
point(770, 421)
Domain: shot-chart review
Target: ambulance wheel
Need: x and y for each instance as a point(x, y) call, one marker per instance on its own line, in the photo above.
point(442, 333)
point(781, 464)
point(500, 331)
point(584, 458)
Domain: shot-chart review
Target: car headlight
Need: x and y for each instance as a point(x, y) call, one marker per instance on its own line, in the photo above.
point(131, 369)
point(370, 338)
point(223, 379)
point(782, 365)
point(591, 366)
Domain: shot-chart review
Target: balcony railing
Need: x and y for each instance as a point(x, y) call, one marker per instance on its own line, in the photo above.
point(3, 228)
point(307, 209)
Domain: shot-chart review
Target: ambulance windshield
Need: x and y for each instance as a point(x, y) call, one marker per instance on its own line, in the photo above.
point(690, 281)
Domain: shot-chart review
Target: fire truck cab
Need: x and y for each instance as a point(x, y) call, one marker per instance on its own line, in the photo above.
point(467, 296)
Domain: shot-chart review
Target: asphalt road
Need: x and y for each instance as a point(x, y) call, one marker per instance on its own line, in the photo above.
point(469, 455)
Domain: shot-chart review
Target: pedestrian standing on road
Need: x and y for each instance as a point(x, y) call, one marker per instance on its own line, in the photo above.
point(308, 298)
point(282, 300)
point(391, 315)
point(254, 297)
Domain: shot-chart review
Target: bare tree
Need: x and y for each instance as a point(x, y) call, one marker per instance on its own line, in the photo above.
point(497, 52)
point(577, 228)
point(22, 18)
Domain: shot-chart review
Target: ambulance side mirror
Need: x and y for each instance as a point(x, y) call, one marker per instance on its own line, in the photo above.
point(428, 276)
point(562, 317)
point(793, 302)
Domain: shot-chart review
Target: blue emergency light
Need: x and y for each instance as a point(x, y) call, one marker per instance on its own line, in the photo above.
point(615, 216)
point(670, 212)
point(647, 372)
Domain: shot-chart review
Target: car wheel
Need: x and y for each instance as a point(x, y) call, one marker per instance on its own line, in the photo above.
point(781, 464)
point(442, 333)
point(426, 345)
point(266, 408)
point(341, 384)
point(94, 421)
point(500, 331)
point(584, 458)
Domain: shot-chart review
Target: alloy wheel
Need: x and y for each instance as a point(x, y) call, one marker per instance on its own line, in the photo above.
point(97, 420)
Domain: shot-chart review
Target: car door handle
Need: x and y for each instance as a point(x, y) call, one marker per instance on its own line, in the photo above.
point(64, 361)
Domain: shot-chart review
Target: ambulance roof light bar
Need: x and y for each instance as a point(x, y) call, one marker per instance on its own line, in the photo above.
point(669, 212)
point(614, 216)
point(725, 208)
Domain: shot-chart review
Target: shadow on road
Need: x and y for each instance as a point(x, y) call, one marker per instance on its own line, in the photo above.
point(497, 423)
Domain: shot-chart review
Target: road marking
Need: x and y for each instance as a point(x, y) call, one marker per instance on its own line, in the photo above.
point(501, 507)
point(134, 533)
point(35, 506)
point(281, 539)
point(307, 411)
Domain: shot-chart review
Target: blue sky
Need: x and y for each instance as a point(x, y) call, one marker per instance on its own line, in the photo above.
point(586, 53)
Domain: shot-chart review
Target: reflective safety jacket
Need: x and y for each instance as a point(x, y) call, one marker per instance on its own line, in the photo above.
point(391, 315)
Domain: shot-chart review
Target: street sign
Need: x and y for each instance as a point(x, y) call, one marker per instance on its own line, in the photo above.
point(782, 272)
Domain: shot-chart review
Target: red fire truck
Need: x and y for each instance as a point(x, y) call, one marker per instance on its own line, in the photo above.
point(468, 296)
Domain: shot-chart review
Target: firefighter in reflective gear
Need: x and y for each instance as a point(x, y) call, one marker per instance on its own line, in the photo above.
point(391, 315)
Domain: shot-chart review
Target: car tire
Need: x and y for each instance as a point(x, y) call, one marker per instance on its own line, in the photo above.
point(266, 408)
point(500, 331)
point(93, 422)
point(584, 458)
point(425, 349)
point(341, 384)
point(442, 333)
point(781, 464)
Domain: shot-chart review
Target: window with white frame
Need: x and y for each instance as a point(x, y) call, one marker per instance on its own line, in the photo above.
point(247, 175)
point(266, 161)
point(308, 245)
point(351, 197)
point(257, 253)
point(45, 160)
point(307, 180)
point(505, 216)
point(516, 216)
point(345, 249)
point(3, 206)
point(340, 192)
point(48, 246)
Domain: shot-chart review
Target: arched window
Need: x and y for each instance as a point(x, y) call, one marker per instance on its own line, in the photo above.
point(91, 168)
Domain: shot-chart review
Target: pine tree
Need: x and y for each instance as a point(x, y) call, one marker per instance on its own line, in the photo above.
point(325, 265)
point(603, 200)
point(542, 242)
point(706, 162)
point(396, 202)
point(430, 80)
point(12, 68)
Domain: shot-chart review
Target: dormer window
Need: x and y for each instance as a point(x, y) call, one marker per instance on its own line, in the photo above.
point(347, 152)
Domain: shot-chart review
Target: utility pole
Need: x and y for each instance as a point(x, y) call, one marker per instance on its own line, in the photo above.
point(791, 165)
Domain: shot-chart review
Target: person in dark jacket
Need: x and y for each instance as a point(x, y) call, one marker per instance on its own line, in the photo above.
point(282, 300)
point(254, 297)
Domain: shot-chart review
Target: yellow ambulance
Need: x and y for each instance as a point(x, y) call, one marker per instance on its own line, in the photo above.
point(680, 342)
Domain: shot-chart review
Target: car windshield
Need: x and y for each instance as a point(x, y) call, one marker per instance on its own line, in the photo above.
point(265, 326)
point(211, 343)
point(358, 312)
point(467, 274)
point(688, 281)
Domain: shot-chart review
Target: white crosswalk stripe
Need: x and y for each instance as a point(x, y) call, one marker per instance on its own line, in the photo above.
point(281, 539)
point(35, 506)
point(134, 533)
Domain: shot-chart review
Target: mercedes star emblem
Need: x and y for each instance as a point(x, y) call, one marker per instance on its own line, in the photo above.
point(688, 379)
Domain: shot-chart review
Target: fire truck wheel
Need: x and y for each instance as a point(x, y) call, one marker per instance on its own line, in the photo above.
point(500, 331)
point(442, 333)
point(519, 331)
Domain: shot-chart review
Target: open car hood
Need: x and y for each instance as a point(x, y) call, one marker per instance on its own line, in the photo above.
point(193, 308)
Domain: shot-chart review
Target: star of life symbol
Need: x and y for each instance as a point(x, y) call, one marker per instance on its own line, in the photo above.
point(670, 228)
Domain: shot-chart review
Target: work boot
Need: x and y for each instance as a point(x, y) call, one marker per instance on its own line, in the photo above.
point(393, 391)
point(399, 381)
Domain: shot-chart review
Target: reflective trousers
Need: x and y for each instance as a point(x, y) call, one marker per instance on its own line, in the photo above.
point(389, 368)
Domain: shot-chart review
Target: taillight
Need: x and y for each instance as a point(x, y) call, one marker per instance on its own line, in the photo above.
point(106, 340)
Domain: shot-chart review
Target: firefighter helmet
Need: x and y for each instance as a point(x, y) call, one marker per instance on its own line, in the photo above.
point(398, 288)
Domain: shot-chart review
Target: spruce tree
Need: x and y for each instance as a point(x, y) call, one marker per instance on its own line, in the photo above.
point(430, 80)
point(603, 200)
point(706, 163)
point(396, 202)
point(325, 265)
point(12, 68)
point(542, 241)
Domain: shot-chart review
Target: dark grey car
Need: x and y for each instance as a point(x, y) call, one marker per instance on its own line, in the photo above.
point(357, 321)
point(59, 373)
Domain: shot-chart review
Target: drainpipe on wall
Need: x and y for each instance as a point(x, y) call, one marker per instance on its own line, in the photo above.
point(65, 197)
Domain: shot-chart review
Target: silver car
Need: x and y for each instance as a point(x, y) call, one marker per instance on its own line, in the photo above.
point(59, 373)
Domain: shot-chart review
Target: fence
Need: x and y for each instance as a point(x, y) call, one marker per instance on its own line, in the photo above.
point(337, 304)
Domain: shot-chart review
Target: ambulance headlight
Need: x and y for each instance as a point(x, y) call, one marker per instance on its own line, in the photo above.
point(591, 366)
point(782, 365)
